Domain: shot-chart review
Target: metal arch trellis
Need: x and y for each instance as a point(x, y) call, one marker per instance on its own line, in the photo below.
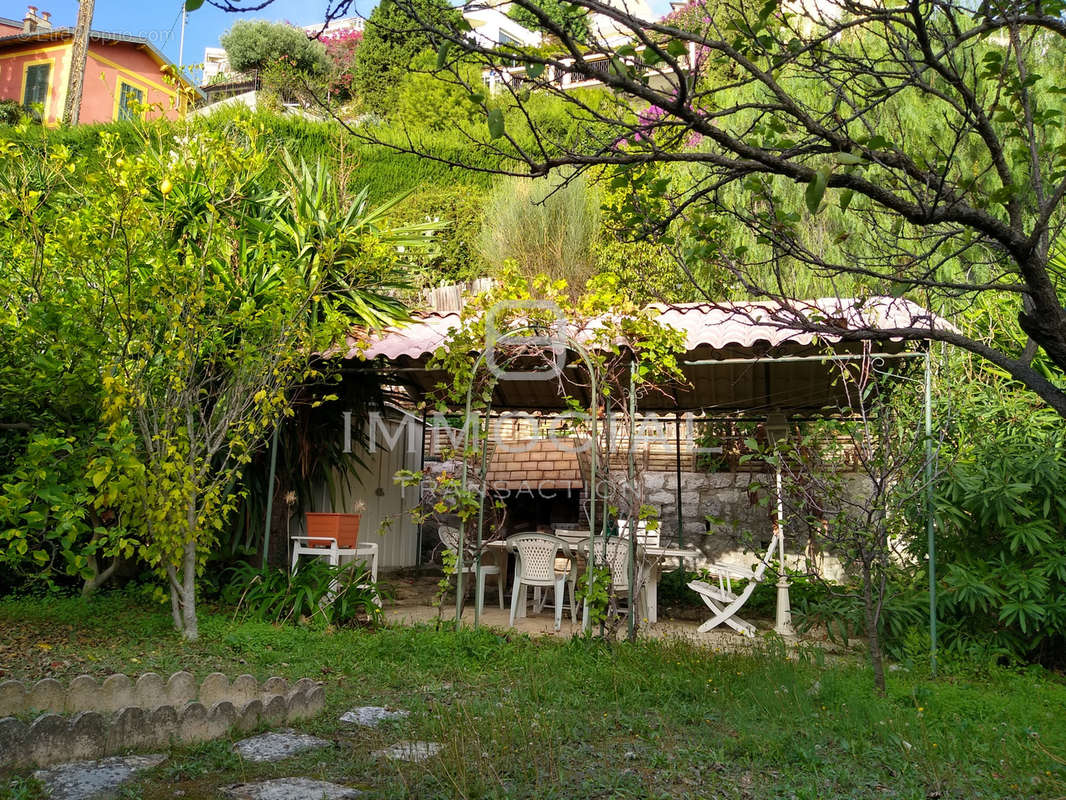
point(582, 352)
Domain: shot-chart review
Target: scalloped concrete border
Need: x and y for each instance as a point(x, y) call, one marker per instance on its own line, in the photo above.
point(118, 691)
point(150, 713)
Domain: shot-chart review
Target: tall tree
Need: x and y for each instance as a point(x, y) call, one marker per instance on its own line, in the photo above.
point(930, 128)
point(395, 34)
point(256, 44)
point(79, 54)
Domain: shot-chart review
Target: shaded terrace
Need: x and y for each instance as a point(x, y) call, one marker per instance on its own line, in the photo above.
point(746, 361)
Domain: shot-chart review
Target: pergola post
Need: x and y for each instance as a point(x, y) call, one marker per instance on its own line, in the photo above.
point(422, 471)
point(677, 477)
point(777, 430)
point(482, 489)
point(595, 405)
point(270, 492)
point(633, 515)
point(929, 523)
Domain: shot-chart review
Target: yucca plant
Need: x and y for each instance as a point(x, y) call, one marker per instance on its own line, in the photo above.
point(357, 258)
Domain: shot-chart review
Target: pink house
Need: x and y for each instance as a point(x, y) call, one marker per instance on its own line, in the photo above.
point(124, 75)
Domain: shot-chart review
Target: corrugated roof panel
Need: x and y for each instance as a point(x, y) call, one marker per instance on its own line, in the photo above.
point(717, 326)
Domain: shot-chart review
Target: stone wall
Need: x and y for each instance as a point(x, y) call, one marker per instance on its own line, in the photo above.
point(120, 714)
point(745, 523)
point(723, 495)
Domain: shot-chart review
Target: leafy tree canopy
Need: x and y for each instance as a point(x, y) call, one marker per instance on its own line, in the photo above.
point(928, 134)
point(256, 44)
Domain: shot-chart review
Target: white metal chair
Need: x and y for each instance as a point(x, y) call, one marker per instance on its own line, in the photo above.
point(449, 537)
point(721, 598)
point(614, 553)
point(536, 566)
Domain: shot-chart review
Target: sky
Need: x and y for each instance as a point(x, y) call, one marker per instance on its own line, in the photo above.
point(159, 21)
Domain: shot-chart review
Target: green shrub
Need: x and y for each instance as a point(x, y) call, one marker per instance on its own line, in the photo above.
point(645, 269)
point(306, 596)
point(839, 611)
point(546, 227)
point(430, 100)
point(1002, 520)
point(83, 140)
point(10, 112)
point(457, 258)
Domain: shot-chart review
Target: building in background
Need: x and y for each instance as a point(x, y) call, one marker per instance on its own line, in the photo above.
point(334, 27)
point(216, 66)
point(490, 26)
point(124, 76)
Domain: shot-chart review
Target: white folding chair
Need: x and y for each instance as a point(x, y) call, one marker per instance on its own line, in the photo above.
point(536, 566)
point(721, 598)
point(449, 537)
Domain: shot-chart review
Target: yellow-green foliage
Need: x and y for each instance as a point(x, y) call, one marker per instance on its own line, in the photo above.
point(212, 269)
point(433, 101)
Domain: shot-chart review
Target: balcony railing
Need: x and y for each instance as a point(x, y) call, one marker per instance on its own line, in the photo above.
point(231, 84)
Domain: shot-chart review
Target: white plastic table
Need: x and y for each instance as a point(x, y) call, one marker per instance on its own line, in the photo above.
point(363, 551)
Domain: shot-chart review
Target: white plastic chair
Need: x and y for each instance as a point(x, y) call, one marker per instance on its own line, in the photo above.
point(614, 553)
point(721, 598)
point(644, 537)
point(535, 565)
point(449, 537)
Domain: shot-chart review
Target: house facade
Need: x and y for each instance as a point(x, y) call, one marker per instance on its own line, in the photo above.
point(491, 27)
point(124, 75)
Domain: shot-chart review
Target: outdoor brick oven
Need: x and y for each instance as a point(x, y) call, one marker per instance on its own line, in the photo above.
point(540, 483)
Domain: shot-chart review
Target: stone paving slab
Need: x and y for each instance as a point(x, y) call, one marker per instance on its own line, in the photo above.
point(409, 751)
point(371, 716)
point(289, 789)
point(276, 745)
point(81, 780)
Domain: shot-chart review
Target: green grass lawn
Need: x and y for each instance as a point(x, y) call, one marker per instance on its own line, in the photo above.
point(557, 719)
